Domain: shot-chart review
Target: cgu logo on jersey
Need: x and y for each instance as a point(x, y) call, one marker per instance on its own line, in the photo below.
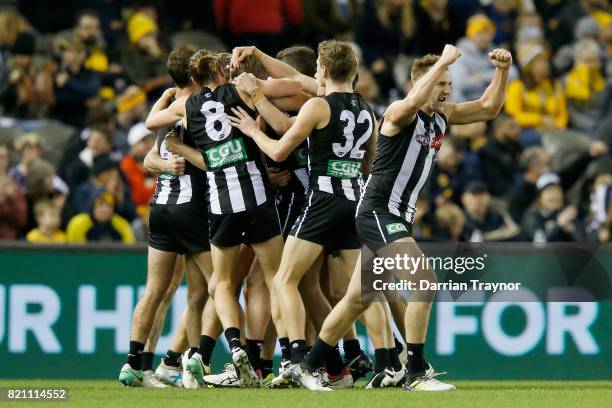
point(343, 169)
point(395, 228)
point(229, 152)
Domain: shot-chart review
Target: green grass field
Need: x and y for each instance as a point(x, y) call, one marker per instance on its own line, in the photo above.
point(497, 394)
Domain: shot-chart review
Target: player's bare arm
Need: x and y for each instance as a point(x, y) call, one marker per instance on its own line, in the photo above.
point(165, 116)
point(370, 153)
point(271, 114)
point(314, 114)
point(491, 101)
point(155, 164)
point(176, 146)
point(403, 111)
point(275, 68)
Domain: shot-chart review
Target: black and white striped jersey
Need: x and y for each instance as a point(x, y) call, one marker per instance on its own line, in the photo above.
point(402, 166)
point(335, 152)
point(171, 189)
point(237, 179)
point(296, 163)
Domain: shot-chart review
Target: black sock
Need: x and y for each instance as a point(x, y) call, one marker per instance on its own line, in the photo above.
point(232, 335)
point(381, 360)
point(316, 358)
point(334, 363)
point(416, 359)
point(135, 355)
point(192, 351)
point(266, 367)
point(351, 349)
point(394, 359)
point(172, 358)
point(207, 345)
point(253, 349)
point(285, 350)
point(398, 345)
point(147, 361)
point(298, 351)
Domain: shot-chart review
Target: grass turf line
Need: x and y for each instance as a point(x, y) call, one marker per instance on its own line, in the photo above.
point(496, 394)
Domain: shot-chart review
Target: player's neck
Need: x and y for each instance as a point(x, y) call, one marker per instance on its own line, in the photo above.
point(186, 91)
point(331, 87)
point(428, 111)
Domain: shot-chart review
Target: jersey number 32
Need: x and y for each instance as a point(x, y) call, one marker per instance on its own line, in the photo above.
point(350, 145)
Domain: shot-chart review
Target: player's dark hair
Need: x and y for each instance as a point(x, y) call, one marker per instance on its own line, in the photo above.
point(300, 57)
point(178, 64)
point(252, 65)
point(421, 65)
point(339, 59)
point(204, 66)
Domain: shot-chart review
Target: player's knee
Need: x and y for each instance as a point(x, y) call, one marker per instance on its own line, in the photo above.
point(196, 298)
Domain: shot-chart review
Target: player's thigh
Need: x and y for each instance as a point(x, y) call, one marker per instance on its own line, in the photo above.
point(203, 262)
point(269, 254)
point(298, 256)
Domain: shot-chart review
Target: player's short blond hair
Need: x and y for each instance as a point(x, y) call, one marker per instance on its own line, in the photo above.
point(421, 65)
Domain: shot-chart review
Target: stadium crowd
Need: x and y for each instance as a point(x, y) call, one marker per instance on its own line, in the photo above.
point(77, 79)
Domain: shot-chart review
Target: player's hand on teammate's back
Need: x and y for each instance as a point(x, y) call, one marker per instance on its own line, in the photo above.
point(278, 177)
point(450, 54)
point(246, 82)
point(169, 93)
point(240, 53)
point(501, 58)
point(244, 122)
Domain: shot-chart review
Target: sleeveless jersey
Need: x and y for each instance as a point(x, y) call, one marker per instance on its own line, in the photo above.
point(171, 189)
point(335, 152)
point(402, 166)
point(237, 180)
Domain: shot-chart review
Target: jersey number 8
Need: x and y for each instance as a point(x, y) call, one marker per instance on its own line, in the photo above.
point(215, 115)
point(349, 146)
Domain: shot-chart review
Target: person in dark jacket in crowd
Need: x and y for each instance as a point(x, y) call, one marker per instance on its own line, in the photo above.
point(550, 220)
point(13, 210)
point(500, 157)
point(533, 162)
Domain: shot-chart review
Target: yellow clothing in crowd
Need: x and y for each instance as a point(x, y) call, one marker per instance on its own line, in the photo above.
point(97, 60)
point(79, 227)
point(528, 106)
point(37, 237)
point(583, 82)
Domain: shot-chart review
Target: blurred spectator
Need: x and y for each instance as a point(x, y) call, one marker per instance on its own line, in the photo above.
point(26, 88)
point(39, 186)
point(13, 210)
point(450, 176)
point(536, 100)
point(534, 162)
point(384, 32)
point(324, 19)
point(504, 14)
point(259, 23)
point(482, 223)
point(450, 222)
point(11, 24)
point(529, 30)
point(598, 225)
point(141, 184)
point(422, 226)
point(105, 176)
point(436, 26)
point(366, 85)
point(74, 84)
point(49, 219)
point(550, 220)
point(144, 59)
point(588, 95)
point(470, 137)
point(87, 32)
point(99, 142)
point(500, 157)
point(586, 29)
point(562, 26)
point(30, 148)
point(131, 108)
point(101, 224)
point(472, 73)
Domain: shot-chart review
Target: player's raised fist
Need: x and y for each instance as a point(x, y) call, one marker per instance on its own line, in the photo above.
point(450, 54)
point(501, 58)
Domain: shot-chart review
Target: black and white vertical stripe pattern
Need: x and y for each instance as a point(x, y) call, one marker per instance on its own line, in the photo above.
point(349, 188)
point(415, 170)
point(233, 190)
